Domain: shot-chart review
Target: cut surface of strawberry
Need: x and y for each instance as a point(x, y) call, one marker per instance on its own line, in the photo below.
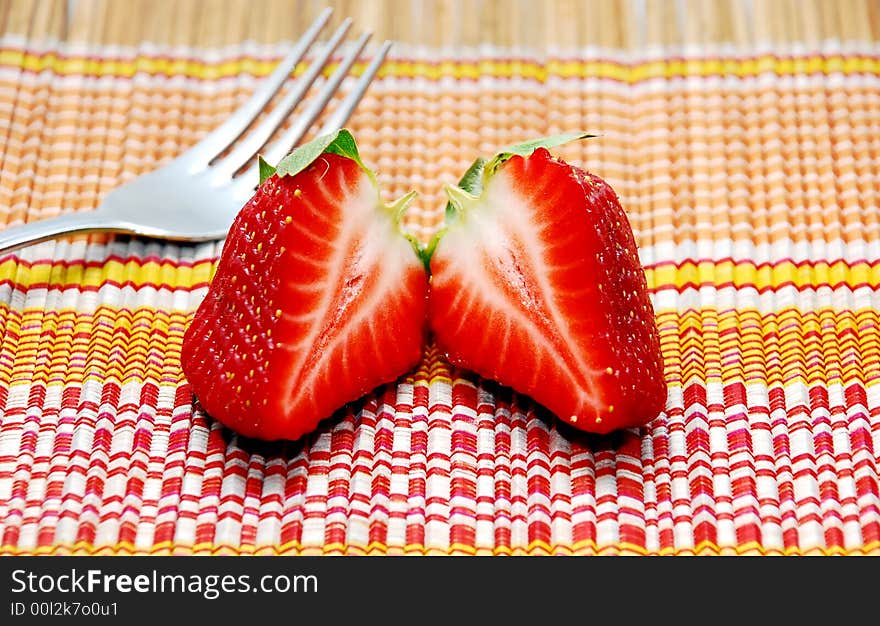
point(318, 298)
point(536, 283)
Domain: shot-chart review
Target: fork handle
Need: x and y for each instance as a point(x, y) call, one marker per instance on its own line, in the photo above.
point(43, 230)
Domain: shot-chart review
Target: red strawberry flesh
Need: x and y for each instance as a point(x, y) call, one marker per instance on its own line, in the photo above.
point(317, 300)
point(537, 284)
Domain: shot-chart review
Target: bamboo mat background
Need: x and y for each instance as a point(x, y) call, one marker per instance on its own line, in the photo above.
point(744, 141)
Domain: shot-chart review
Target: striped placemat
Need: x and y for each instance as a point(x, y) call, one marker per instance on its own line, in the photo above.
point(744, 141)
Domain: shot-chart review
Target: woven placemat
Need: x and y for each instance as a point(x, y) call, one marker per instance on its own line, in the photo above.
point(743, 141)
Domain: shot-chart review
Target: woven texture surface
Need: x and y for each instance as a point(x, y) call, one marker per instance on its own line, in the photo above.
point(747, 157)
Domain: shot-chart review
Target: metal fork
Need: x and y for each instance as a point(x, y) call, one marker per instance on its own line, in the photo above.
point(196, 196)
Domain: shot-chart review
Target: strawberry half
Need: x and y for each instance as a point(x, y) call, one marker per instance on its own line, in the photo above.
point(318, 298)
point(536, 283)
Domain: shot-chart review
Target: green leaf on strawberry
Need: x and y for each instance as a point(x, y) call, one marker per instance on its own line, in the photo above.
point(471, 182)
point(340, 142)
point(266, 170)
point(528, 147)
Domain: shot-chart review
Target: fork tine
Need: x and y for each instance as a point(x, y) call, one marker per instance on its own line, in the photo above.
point(292, 135)
point(198, 156)
point(249, 145)
point(341, 114)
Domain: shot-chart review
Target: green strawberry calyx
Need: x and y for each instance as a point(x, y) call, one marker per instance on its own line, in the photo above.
point(526, 148)
point(467, 192)
point(340, 142)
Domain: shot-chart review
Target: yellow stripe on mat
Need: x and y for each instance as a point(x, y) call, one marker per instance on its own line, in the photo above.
point(168, 274)
point(460, 69)
point(764, 276)
point(813, 347)
point(536, 548)
point(82, 275)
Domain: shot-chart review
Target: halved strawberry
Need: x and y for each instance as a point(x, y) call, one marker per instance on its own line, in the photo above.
point(536, 283)
point(318, 298)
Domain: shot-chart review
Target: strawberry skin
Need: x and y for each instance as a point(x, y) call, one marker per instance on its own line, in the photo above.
point(537, 284)
point(318, 298)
